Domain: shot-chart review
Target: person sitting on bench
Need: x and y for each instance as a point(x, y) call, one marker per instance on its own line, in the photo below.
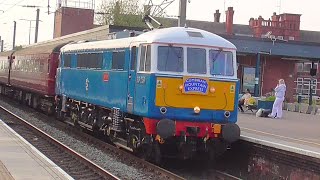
point(243, 100)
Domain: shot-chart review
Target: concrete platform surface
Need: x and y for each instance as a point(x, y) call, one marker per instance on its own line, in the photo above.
point(20, 160)
point(295, 132)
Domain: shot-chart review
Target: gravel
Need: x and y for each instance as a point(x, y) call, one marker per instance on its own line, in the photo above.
point(104, 160)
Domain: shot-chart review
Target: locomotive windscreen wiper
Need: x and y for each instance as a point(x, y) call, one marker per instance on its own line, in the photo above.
point(215, 58)
point(177, 54)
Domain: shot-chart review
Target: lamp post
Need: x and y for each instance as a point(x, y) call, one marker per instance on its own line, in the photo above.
point(29, 26)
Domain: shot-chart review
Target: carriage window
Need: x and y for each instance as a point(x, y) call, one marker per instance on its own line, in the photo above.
point(145, 58)
point(118, 60)
point(197, 61)
point(82, 60)
point(95, 60)
point(170, 58)
point(92, 60)
point(221, 63)
point(67, 60)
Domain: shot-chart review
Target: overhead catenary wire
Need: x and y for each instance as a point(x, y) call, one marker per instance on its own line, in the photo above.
point(5, 11)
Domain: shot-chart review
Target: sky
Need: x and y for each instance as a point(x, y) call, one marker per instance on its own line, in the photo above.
point(196, 10)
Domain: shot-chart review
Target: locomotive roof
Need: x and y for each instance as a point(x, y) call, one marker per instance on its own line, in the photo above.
point(6, 53)
point(173, 35)
point(97, 45)
point(186, 35)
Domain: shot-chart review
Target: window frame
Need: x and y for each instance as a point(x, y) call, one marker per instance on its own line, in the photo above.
point(85, 66)
point(124, 60)
point(206, 60)
point(147, 47)
point(233, 60)
point(184, 63)
point(64, 60)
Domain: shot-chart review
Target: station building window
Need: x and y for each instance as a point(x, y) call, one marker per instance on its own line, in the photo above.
point(305, 67)
point(303, 86)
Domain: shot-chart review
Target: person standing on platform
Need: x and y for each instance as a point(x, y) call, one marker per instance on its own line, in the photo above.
point(280, 92)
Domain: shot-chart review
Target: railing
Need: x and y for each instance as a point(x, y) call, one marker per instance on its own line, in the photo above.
point(85, 4)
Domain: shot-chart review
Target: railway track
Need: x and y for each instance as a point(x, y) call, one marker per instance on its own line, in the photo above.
point(123, 156)
point(23, 127)
point(62, 155)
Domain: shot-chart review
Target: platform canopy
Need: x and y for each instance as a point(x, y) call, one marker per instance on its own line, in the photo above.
point(294, 49)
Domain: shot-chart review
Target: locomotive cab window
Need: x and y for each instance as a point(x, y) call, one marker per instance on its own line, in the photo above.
point(221, 63)
point(145, 58)
point(170, 58)
point(196, 62)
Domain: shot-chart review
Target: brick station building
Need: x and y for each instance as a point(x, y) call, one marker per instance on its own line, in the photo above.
point(266, 49)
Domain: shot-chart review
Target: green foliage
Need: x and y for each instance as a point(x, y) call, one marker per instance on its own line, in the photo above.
point(126, 13)
point(18, 47)
point(270, 98)
point(121, 13)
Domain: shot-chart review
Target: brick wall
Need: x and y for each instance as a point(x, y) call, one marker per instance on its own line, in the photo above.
point(272, 69)
point(275, 68)
point(71, 20)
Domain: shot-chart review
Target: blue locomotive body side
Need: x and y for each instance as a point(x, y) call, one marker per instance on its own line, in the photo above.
point(100, 86)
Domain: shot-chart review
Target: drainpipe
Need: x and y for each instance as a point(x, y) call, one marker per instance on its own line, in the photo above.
point(257, 76)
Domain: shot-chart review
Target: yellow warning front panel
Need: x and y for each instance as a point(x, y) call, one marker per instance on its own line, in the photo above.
point(177, 93)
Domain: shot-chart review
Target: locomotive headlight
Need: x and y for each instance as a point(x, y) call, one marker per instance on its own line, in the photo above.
point(196, 110)
point(212, 89)
point(180, 87)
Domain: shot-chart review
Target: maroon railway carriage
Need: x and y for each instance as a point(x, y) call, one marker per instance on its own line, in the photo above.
point(32, 76)
point(4, 70)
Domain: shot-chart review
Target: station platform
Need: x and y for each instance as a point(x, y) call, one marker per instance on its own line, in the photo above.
point(20, 160)
point(295, 132)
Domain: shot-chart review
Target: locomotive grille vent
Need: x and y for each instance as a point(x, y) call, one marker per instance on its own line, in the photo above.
point(194, 34)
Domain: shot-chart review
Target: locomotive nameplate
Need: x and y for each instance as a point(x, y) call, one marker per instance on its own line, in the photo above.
point(195, 85)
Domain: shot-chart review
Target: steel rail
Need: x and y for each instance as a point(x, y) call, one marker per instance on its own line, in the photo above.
point(83, 159)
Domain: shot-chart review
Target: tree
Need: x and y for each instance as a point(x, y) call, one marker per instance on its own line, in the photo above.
point(121, 13)
point(18, 47)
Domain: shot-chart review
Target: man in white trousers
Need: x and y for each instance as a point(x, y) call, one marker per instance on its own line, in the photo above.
point(280, 92)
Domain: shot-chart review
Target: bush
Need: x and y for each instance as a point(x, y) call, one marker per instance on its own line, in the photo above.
point(270, 98)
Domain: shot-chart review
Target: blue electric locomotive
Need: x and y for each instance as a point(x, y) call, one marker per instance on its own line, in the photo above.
point(173, 88)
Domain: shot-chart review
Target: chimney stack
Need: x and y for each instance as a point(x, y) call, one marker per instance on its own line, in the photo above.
point(217, 16)
point(229, 20)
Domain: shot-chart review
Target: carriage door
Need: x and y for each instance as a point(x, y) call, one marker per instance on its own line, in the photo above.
point(132, 79)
